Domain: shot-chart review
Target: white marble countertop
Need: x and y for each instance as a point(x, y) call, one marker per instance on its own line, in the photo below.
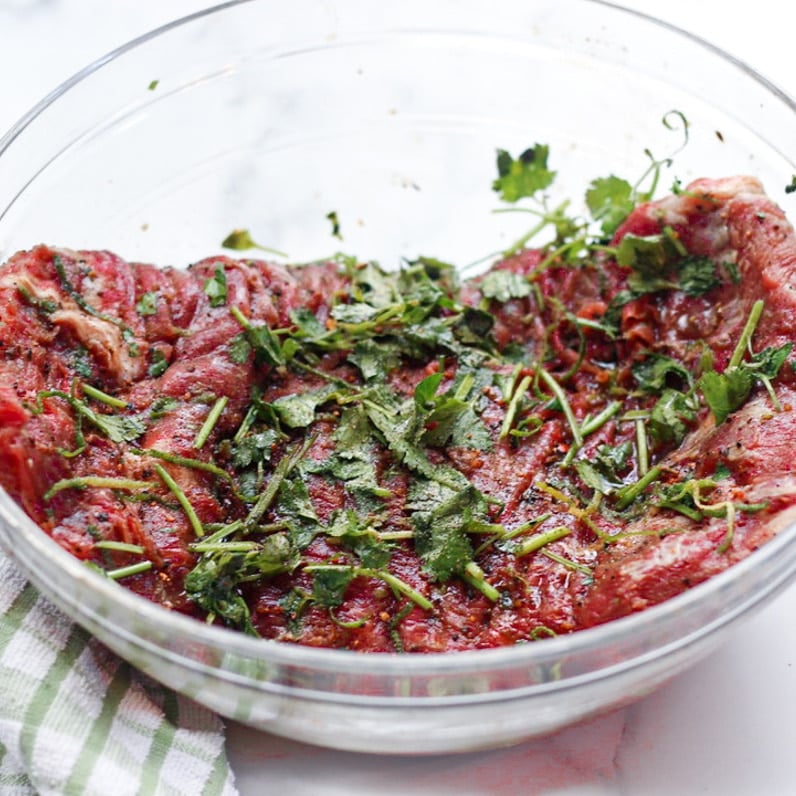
point(724, 727)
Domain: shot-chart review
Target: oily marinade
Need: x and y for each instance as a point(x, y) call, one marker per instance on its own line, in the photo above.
point(334, 455)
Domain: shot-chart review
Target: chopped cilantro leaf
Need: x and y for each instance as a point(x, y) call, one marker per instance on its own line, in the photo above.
point(307, 323)
point(294, 507)
point(722, 472)
point(657, 371)
point(293, 605)
point(523, 176)
point(725, 392)
point(373, 285)
point(451, 418)
point(770, 360)
point(298, 409)
point(647, 255)
point(440, 519)
point(426, 389)
point(335, 221)
point(214, 583)
point(672, 415)
point(504, 285)
point(610, 200)
point(659, 262)
point(455, 422)
point(265, 344)
point(356, 313)
point(158, 363)
point(147, 304)
point(601, 472)
point(81, 362)
point(472, 329)
point(240, 349)
point(358, 535)
point(254, 448)
point(353, 432)
point(118, 428)
point(162, 406)
point(354, 460)
point(376, 358)
point(329, 585)
point(215, 288)
point(697, 275)
point(400, 429)
point(239, 240)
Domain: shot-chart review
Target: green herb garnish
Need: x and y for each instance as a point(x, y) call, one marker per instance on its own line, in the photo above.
point(241, 240)
point(215, 288)
point(147, 304)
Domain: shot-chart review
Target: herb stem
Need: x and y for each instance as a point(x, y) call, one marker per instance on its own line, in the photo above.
point(246, 424)
point(282, 470)
point(120, 547)
point(513, 407)
point(387, 536)
point(118, 428)
point(103, 397)
point(391, 580)
point(174, 488)
point(561, 397)
point(464, 388)
point(98, 482)
point(746, 334)
point(224, 547)
point(474, 575)
point(401, 586)
point(582, 514)
point(126, 572)
point(627, 494)
point(556, 253)
point(544, 221)
point(770, 390)
point(183, 461)
point(568, 563)
point(503, 536)
point(600, 419)
point(539, 540)
point(526, 526)
point(642, 450)
point(210, 422)
point(728, 536)
point(220, 533)
point(590, 426)
point(240, 317)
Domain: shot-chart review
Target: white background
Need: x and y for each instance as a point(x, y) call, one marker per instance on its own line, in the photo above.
point(725, 727)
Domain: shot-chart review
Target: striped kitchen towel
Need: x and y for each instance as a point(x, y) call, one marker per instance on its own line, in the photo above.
point(76, 719)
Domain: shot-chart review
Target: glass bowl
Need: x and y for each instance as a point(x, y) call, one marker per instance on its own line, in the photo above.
point(271, 116)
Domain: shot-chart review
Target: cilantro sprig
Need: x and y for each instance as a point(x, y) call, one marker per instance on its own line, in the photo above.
point(726, 391)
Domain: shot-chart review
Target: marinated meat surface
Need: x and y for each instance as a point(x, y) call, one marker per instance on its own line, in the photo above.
point(337, 456)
